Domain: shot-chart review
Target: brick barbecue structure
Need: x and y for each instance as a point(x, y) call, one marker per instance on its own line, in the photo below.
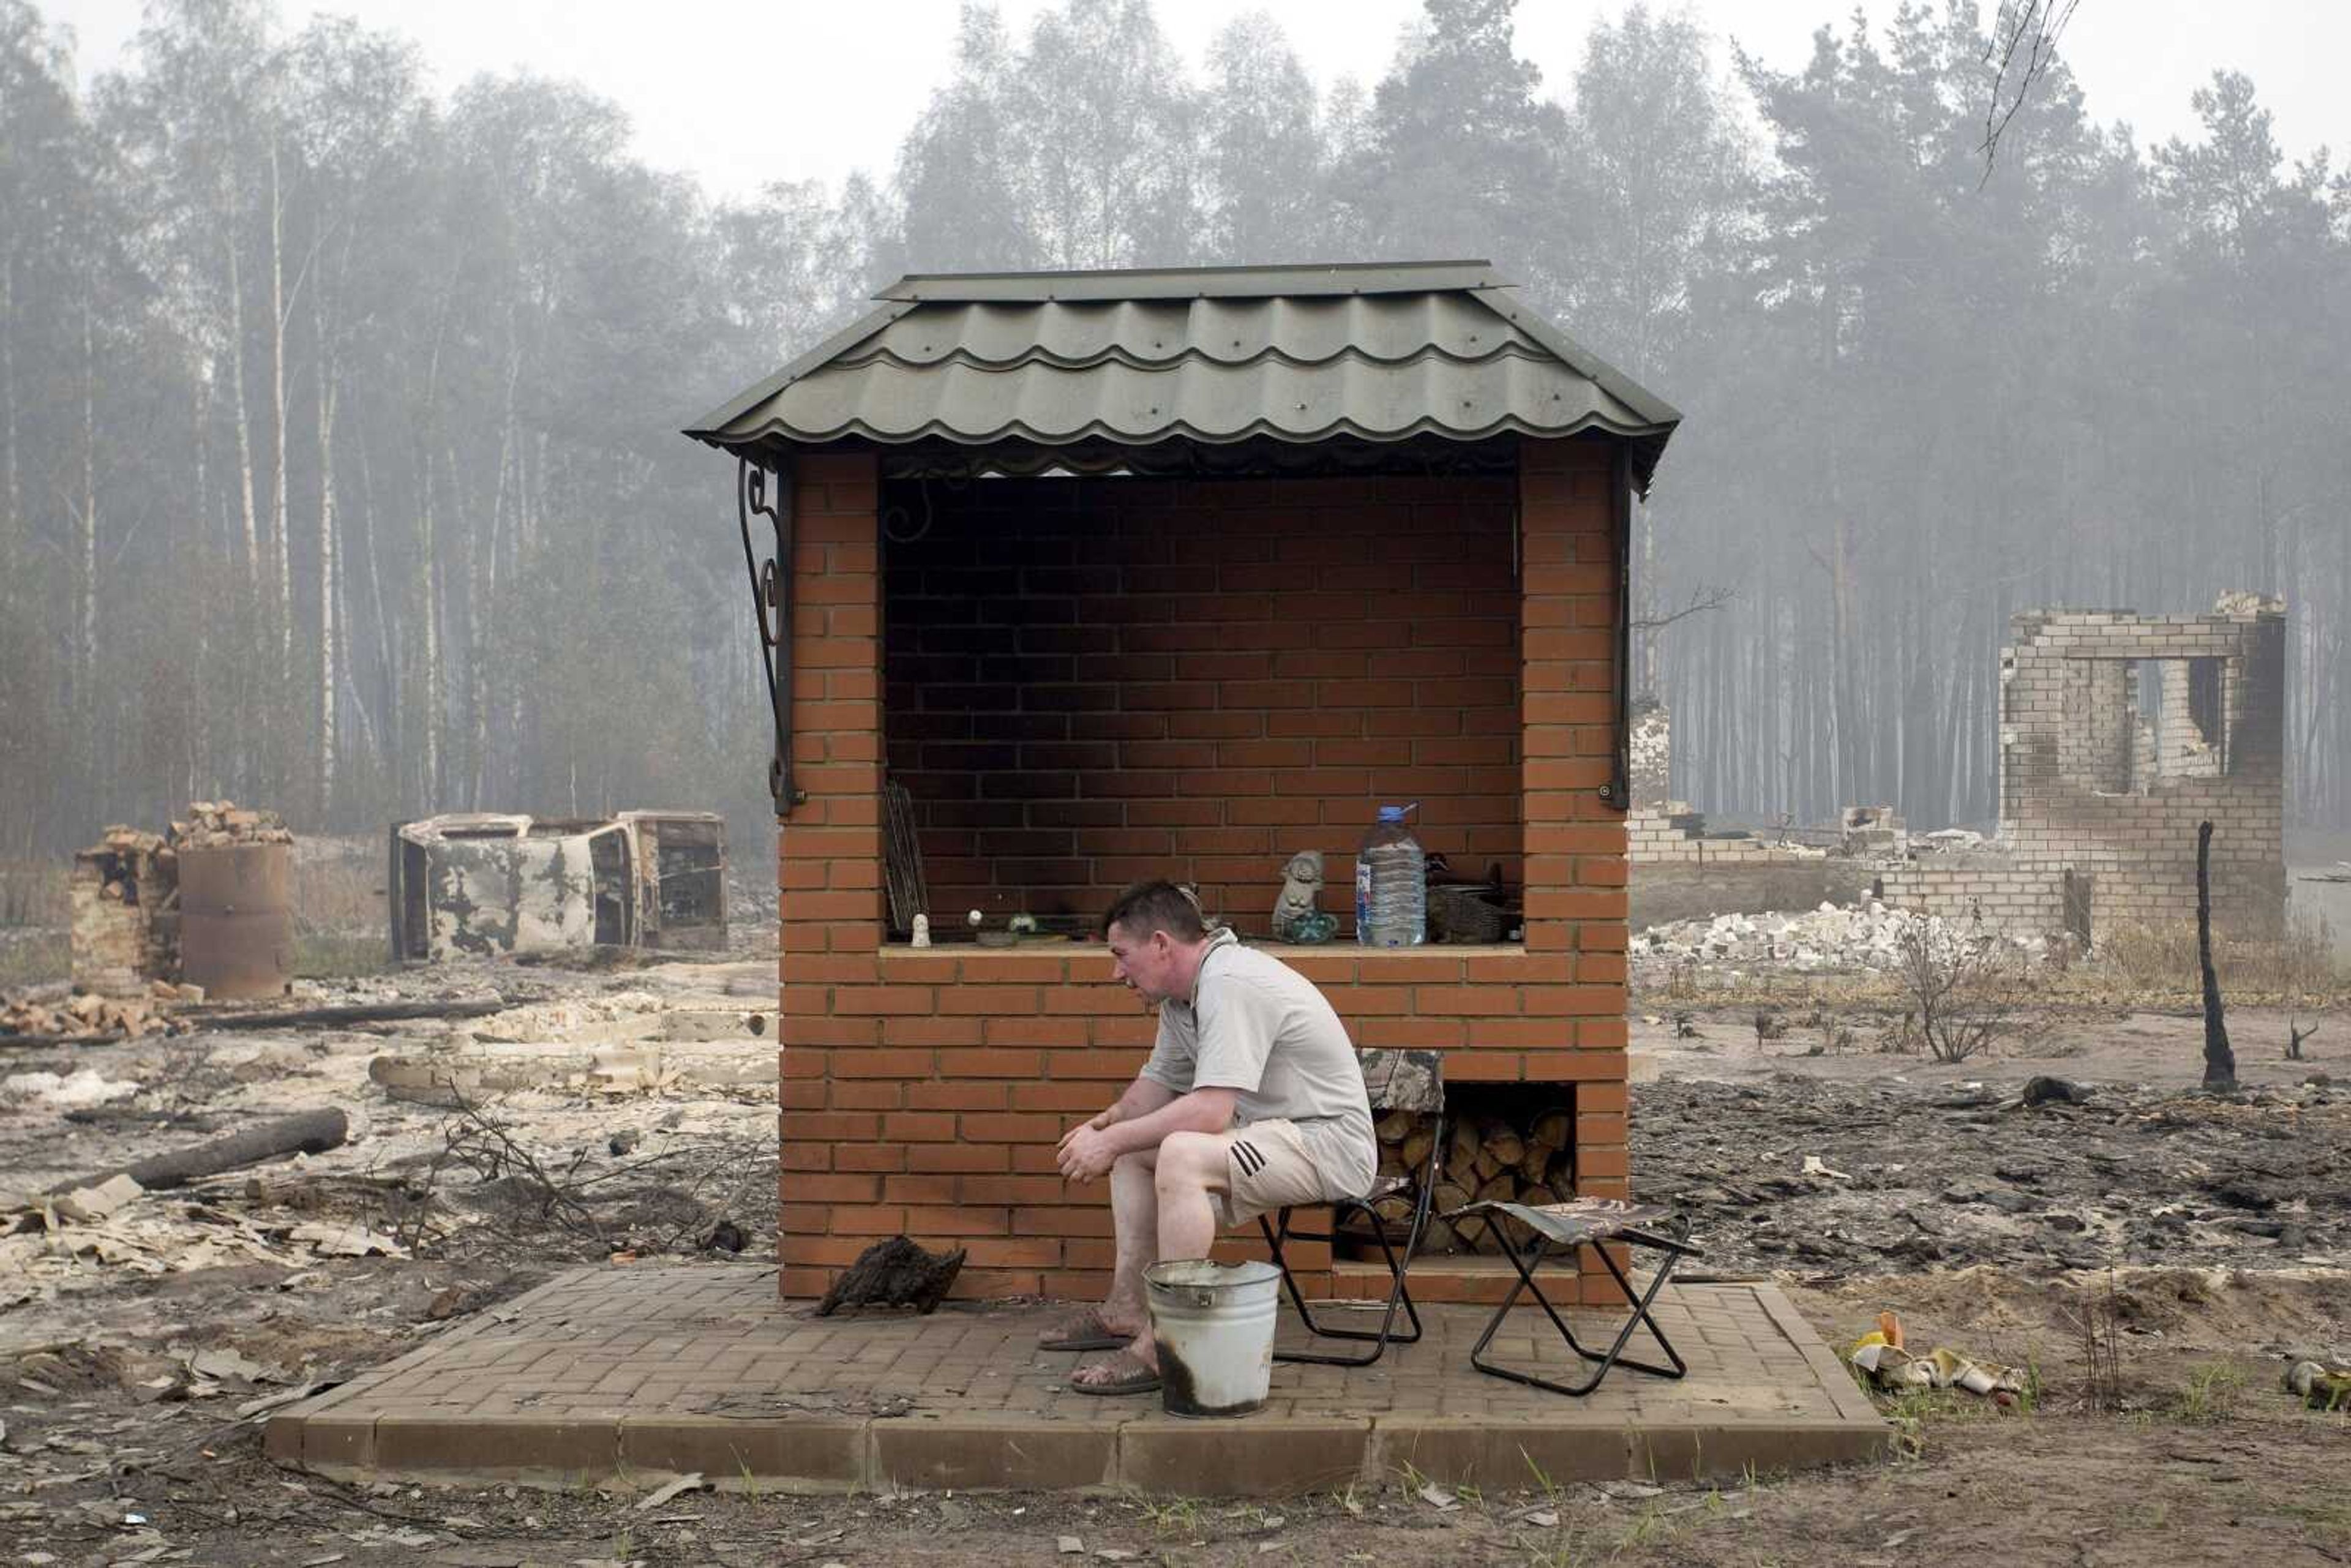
point(1134, 574)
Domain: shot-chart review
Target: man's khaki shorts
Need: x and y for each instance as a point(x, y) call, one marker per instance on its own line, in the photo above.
point(1265, 1167)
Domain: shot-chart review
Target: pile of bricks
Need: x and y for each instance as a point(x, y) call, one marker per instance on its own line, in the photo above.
point(95, 1017)
point(212, 824)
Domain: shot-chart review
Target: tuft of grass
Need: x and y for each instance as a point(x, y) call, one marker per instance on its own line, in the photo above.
point(1172, 1516)
point(2213, 1391)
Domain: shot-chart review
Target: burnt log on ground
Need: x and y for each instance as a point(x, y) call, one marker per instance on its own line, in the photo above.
point(365, 1012)
point(305, 1133)
point(893, 1274)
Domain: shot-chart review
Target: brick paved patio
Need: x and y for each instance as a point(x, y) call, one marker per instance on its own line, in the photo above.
point(636, 1372)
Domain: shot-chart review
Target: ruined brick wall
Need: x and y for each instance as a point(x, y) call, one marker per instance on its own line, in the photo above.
point(923, 1091)
point(124, 904)
point(2083, 787)
point(2018, 894)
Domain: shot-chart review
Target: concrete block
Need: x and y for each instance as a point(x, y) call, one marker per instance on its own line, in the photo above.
point(331, 1445)
point(818, 1455)
point(506, 1445)
point(281, 1440)
point(1254, 1457)
point(980, 1454)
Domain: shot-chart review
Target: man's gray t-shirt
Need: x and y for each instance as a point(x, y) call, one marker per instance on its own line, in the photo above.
point(1259, 1026)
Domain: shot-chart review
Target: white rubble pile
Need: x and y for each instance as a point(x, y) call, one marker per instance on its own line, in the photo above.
point(75, 1091)
point(1864, 937)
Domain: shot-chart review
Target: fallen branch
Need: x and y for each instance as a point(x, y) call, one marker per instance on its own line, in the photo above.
point(478, 1139)
point(305, 1133)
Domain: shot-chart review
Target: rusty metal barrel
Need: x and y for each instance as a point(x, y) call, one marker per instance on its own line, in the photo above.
point(236, 919)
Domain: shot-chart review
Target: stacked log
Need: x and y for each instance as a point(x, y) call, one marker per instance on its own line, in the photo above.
point(1486, 1158)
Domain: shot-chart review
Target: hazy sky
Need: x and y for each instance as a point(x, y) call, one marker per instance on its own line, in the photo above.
point(742, 95)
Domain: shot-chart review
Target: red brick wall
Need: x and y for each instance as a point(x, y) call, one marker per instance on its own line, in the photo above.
point(1091, 681)
point(923, 1092)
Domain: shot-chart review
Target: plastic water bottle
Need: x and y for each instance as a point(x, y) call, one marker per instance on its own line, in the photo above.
point(1391, 885)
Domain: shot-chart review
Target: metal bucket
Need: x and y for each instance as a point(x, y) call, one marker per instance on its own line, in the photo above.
point(236, 920)
point(1213, 1325)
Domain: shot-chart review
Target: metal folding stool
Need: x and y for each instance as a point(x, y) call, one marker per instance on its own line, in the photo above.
point(1396, 1081)
point(1569, 1227)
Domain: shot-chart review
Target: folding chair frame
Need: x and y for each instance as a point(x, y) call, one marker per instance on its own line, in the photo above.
point(1399, 1296)
point(1530, 1262)
point(1278, 1230)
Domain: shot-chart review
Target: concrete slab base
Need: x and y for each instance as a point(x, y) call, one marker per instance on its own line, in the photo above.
point(635, 1374)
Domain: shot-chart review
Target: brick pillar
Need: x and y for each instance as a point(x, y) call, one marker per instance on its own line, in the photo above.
point(1576, 903)
point(829, 870)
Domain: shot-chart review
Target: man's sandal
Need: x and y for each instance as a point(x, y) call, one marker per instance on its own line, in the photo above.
point(1086, 1333)
point(1130, 1376)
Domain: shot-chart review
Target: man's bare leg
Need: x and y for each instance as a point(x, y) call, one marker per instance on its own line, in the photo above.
point(1188, 1170)
point(1135, 1214)
point(1134, 1217)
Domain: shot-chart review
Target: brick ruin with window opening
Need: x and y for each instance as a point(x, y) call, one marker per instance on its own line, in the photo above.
point(2119, 733)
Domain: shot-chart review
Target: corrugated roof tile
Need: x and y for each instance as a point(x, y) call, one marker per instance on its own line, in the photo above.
point(1216, 355)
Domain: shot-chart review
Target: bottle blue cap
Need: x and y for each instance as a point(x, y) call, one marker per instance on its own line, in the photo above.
point(1392, 813)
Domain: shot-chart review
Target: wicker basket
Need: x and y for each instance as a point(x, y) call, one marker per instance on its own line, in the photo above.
point(1466, 913)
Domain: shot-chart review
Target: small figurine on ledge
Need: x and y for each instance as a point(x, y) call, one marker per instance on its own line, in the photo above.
point(1295, 918)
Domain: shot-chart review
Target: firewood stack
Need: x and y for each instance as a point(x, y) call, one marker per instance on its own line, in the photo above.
point(1486, 1159)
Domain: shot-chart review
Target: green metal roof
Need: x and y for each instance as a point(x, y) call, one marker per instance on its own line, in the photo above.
point(1376, 352)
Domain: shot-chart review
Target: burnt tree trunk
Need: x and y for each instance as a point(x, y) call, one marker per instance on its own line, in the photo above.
point(2219, 1062)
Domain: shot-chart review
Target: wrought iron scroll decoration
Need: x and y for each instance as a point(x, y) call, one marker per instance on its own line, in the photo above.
point(1618, 792)
point(771, 606)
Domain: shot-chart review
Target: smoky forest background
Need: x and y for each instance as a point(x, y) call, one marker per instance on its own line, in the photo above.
point(338, 458)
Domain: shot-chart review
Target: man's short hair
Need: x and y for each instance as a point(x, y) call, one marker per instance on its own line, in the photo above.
point(1150, 906)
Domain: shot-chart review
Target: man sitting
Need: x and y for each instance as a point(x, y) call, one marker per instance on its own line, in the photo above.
point(1253, 1099)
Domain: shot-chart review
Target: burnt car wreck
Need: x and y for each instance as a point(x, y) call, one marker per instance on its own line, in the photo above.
point(488, 884)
